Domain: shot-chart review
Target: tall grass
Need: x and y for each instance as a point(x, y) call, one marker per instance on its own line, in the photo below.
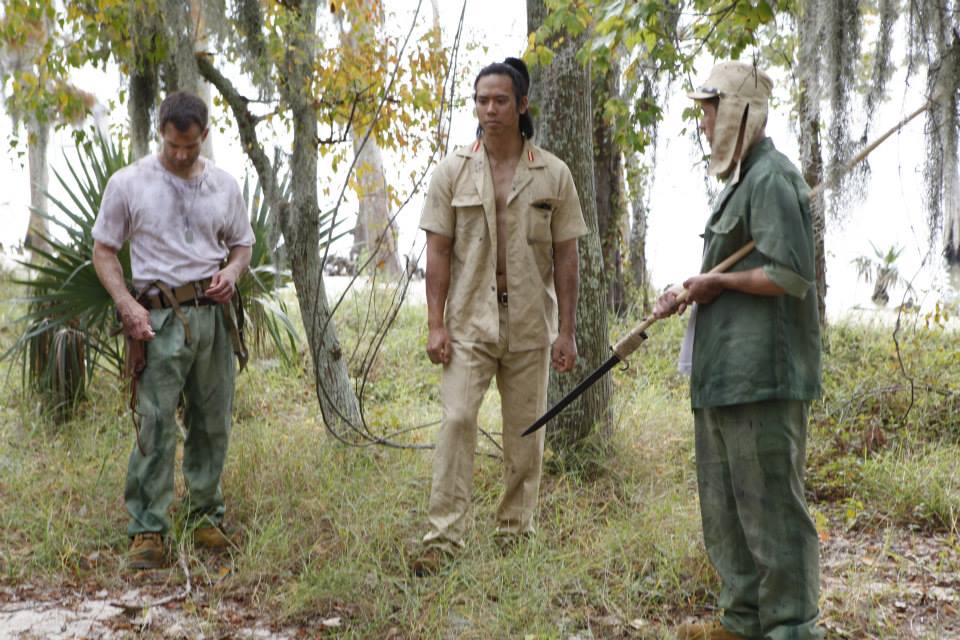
point(329, 531)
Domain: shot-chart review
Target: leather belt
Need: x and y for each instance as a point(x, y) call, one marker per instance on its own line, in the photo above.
point(190, 294)
point(502, 297)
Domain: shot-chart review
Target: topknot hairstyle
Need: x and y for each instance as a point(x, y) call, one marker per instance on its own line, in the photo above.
point(517, 71)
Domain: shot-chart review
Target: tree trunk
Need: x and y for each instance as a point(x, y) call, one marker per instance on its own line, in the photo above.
point(608, 177)
point(374, 235)
point(811, 153)
point(811, 160)
point(189, 77)
point(143, 80)
point(300, 227)
point(299, 224)
point(639, 175)
point(562, 93)
point(951, 223)
point(637, 181)
point(38, 136)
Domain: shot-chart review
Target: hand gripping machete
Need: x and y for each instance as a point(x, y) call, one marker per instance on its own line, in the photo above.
point(628, 344)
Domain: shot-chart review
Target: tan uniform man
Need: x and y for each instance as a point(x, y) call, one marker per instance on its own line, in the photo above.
point(502, 219)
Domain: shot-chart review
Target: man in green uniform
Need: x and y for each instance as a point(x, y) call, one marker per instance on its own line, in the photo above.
point(502, 219)
point(182, 217)
point(755, 366)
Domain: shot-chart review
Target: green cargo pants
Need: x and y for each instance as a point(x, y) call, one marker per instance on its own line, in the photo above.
point(204, 370)
point(756, 527)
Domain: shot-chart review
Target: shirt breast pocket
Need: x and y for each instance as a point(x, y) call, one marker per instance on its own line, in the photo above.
point(470, 225)
point(729, 224)
point(539, 220)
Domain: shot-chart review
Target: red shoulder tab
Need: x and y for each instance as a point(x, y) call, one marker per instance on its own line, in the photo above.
point(530, 155)
point(476, 146)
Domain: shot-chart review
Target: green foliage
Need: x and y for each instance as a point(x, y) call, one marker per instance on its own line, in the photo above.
point(259, 287)
point(918, 487)
point(653, 40)
point(69, 313)
point(872, 408)
point(43, 42)
point(881, 270)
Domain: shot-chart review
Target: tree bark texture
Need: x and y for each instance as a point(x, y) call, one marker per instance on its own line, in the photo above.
point(299, 218)
point(374, 234)
point(608, 178)
point(637, 181)
point(301, 232)
point(811, 152)
point(562, 91)
point(143, 80)
point(189, 76)
point(38, 135)
point(811, 161)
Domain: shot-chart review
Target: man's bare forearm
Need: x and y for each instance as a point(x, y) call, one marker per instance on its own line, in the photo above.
point(752, 281)
point(107, 265)
point(705, 287)
point(438, 277)
point(239, 260)
point(566, 280)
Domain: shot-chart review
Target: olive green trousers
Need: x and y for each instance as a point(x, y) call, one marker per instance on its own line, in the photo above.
point(756, 527)
point(204, 371)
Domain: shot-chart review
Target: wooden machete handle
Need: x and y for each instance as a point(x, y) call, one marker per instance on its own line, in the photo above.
point(632, 341)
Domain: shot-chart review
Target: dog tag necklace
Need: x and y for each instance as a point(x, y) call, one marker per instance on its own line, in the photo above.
point(185, 210)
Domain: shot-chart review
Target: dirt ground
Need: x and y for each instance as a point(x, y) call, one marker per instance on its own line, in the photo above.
point(881, 583)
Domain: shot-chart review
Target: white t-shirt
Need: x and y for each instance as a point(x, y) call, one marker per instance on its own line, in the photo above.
point(179, 230)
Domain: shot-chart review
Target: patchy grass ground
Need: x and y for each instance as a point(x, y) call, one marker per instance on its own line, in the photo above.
point(326, 532)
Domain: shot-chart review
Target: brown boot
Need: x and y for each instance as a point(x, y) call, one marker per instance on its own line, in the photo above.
point(704, 631)
point(430, 562)
point(210, 537)
point(146, 551)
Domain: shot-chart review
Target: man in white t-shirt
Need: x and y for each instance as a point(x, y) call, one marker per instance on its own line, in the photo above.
point(182, 217)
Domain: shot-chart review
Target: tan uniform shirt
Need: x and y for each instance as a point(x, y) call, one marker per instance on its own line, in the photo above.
point(542, 208)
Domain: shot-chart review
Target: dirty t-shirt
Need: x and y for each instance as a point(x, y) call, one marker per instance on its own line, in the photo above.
point(180, 230)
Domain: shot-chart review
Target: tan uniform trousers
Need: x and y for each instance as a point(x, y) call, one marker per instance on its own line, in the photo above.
point(522, 383)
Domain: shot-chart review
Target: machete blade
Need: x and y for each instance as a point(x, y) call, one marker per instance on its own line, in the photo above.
point(573, 394)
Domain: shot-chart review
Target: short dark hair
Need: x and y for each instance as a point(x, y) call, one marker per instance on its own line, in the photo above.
point(516, 70)
point(183, 109)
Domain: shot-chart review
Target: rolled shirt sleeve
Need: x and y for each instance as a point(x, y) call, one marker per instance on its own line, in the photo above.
point(567, 222)
point(238, 231)
point(790, 281)
point(438, 215)
point(779, 223)
point(112, 226)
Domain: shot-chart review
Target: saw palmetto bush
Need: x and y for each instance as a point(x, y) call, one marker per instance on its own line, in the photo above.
point(70, 328)
point(269, 321)
point(67, 326)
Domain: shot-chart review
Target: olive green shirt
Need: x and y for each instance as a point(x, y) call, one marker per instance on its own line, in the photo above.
point(750, 348)
point(542, 208)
